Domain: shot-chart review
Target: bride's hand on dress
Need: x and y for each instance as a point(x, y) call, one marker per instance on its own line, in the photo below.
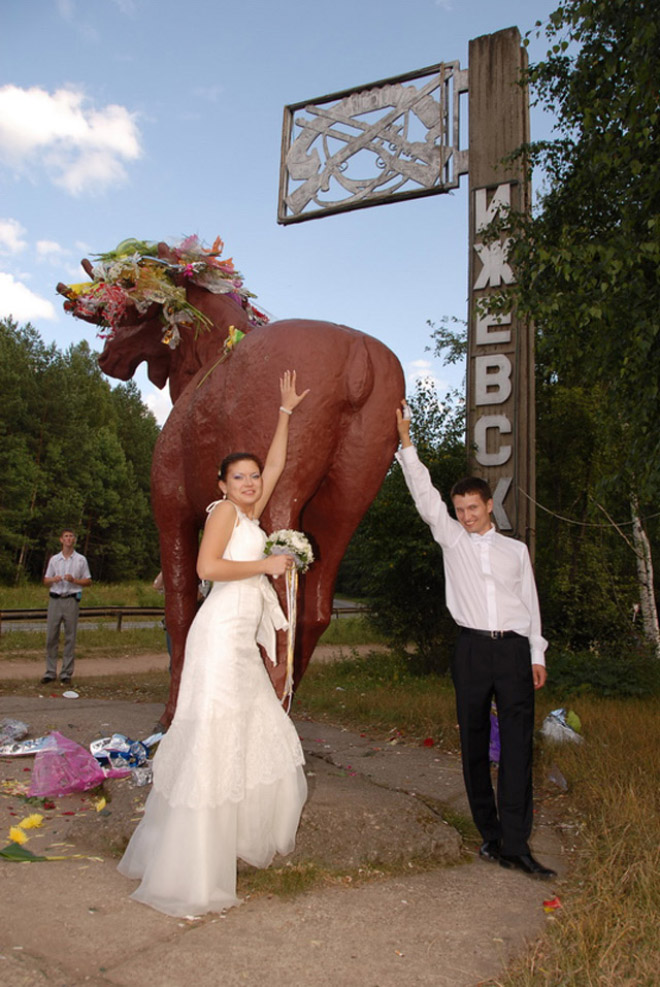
point(289, 399)
point(277, 565)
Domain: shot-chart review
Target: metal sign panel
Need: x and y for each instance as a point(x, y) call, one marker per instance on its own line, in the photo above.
point(394, 139)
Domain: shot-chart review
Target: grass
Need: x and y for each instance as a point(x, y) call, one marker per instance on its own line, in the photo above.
point(378, 694)
point(606, 934)
point(350, 631)
point(106, 642)
point(291, 880)
point(131, 594)
point(103, 642)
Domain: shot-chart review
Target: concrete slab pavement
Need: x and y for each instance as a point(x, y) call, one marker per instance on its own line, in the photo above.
point(71, 923)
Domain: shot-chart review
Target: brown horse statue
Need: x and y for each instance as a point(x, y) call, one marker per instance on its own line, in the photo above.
point(342, 440)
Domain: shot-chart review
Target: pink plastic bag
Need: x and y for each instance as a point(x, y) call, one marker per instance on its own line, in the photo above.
point(62, 767)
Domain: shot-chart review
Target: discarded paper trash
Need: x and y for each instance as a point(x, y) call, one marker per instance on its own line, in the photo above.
point(21, 748)
point(119, 750)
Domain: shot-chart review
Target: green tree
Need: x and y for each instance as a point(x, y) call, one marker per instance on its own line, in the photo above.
point(585, 569)
point(25, 368)
point(587, 265)
point(587, 261)
point(73, 451)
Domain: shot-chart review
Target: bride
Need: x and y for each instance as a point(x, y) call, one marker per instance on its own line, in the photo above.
point(228, 774)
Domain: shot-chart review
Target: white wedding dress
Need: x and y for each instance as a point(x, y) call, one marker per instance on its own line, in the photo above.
point(228, 774)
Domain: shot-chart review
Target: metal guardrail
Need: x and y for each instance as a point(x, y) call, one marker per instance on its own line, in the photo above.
point(342, 611)
point(118, 613)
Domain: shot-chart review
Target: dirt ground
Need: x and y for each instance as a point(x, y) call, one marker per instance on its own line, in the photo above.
point(450, 920)
point(33, 666)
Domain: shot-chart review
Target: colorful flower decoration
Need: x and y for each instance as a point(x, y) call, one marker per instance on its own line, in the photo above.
point(134, 274)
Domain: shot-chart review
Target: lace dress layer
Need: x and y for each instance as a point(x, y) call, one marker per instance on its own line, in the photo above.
point(228, 775)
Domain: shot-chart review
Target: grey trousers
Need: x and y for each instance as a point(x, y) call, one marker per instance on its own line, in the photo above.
point(61, 611)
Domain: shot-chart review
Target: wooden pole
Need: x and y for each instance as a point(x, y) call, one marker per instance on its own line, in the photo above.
point(500, 376)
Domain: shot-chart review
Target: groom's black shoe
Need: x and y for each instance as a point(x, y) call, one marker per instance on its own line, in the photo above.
point(490, 850)
point(526, 863)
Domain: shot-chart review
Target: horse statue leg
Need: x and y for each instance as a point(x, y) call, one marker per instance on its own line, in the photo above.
point(333, 513)
point(178, 528)
point(178, 542)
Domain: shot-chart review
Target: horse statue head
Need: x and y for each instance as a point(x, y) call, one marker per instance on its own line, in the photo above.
point(171, 307)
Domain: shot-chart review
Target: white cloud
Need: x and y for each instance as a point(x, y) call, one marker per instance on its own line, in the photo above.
point(17, 300)
point(210, 93)
point(422, 371)
point(126, 7)
point(52, 252)
point(11, 236)
point(419, 368)
point(66, 9)
point(81, 148)
point(158, 402)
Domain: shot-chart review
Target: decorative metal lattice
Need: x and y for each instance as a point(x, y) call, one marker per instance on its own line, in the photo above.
point(363, 147)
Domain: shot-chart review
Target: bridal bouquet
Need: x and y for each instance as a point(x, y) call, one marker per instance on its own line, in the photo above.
point(289, 542)
point(295, 543)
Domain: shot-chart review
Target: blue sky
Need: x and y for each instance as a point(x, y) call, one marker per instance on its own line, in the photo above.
point(156, 119)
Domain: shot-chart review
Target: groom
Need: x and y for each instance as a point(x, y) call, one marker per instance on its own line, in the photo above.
point(491, 594)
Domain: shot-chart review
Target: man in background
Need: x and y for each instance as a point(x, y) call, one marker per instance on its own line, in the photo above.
point(66, 574)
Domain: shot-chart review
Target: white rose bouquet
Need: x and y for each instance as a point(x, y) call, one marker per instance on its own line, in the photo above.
point(289, 542)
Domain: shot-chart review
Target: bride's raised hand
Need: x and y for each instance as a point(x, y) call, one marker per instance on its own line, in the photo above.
point(289, 398)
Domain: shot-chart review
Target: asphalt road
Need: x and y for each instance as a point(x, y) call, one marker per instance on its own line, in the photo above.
point(93, 625)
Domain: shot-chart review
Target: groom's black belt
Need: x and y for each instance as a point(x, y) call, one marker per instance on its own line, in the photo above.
point(495, 635)
point(64, 596)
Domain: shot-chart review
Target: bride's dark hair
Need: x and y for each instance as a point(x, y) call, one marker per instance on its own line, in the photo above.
point(234, 457)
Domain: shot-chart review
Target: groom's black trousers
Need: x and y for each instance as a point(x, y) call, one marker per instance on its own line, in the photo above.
point(483, 667)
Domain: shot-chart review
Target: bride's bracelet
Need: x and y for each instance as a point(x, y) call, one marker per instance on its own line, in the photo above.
point(285, 410)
